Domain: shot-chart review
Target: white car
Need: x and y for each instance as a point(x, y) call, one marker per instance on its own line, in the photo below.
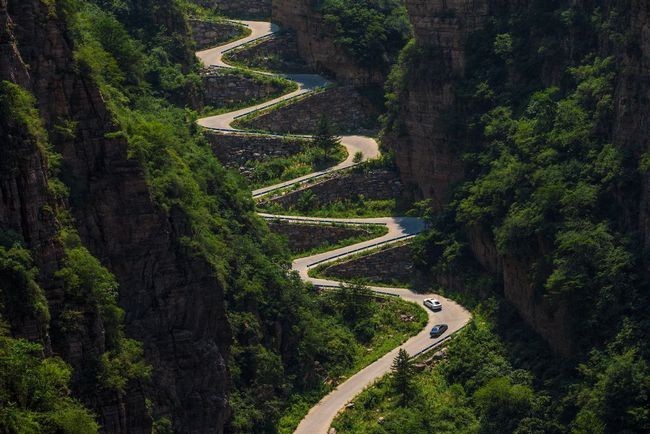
point(433, 304)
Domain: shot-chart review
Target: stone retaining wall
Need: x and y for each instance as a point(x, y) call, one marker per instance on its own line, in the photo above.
point(223, 88)
point(372, 184)
point(303, 237)
point(344, 107)
point(278, 52)
point(394, 264)
point(235, 150)
point(208, 34)
point(239, 8)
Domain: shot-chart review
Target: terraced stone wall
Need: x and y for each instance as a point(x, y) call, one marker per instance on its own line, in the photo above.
point(208, 34)
point(345, 107)
point(394, 264)
point(235, 150)
point(304, 237)
point(277, 53)
point(375, 184)
point(222, 88)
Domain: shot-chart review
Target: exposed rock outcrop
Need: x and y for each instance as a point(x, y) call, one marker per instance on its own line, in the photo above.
point(27, 207)
point(425, 150)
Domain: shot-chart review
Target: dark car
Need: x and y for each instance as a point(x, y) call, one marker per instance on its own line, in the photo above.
point(438, 330)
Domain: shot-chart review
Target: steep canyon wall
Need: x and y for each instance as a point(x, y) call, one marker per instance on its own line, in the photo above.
point(429, 131)
point(172, 302)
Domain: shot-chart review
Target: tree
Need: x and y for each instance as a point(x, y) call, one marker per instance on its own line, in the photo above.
point(402, 372)
point(355, 301)
point(324, 137)
point(34, 391)
point(503, 405)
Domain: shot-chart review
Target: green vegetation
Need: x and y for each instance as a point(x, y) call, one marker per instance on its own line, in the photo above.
point(472, 391)
point(276, 170)
point(375, 326)
point(87, 283)
point(371, 31)
point(89, 300)
point(546, 182)
point(357, 207)
point(34, 391)
point(402, 376)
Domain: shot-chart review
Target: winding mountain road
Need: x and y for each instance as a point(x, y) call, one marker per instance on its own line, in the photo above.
point(320, 417)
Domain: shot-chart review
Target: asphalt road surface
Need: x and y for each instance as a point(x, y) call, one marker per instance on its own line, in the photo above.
point(320, 417)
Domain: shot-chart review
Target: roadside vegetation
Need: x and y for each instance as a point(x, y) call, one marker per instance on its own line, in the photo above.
point(350, 208)
point(496, 377)
point(469, 391)
point(324, 150)
point(276, 170)
point(308, 203)
point(376, 325)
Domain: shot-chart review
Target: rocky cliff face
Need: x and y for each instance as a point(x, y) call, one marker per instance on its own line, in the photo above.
point(632, 121)
point(27, 208)
point(24, 195)
point(428, 150)
point(316, 43)
point(172, 303)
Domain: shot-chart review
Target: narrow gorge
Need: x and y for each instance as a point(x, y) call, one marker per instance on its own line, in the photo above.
point(225, 216)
